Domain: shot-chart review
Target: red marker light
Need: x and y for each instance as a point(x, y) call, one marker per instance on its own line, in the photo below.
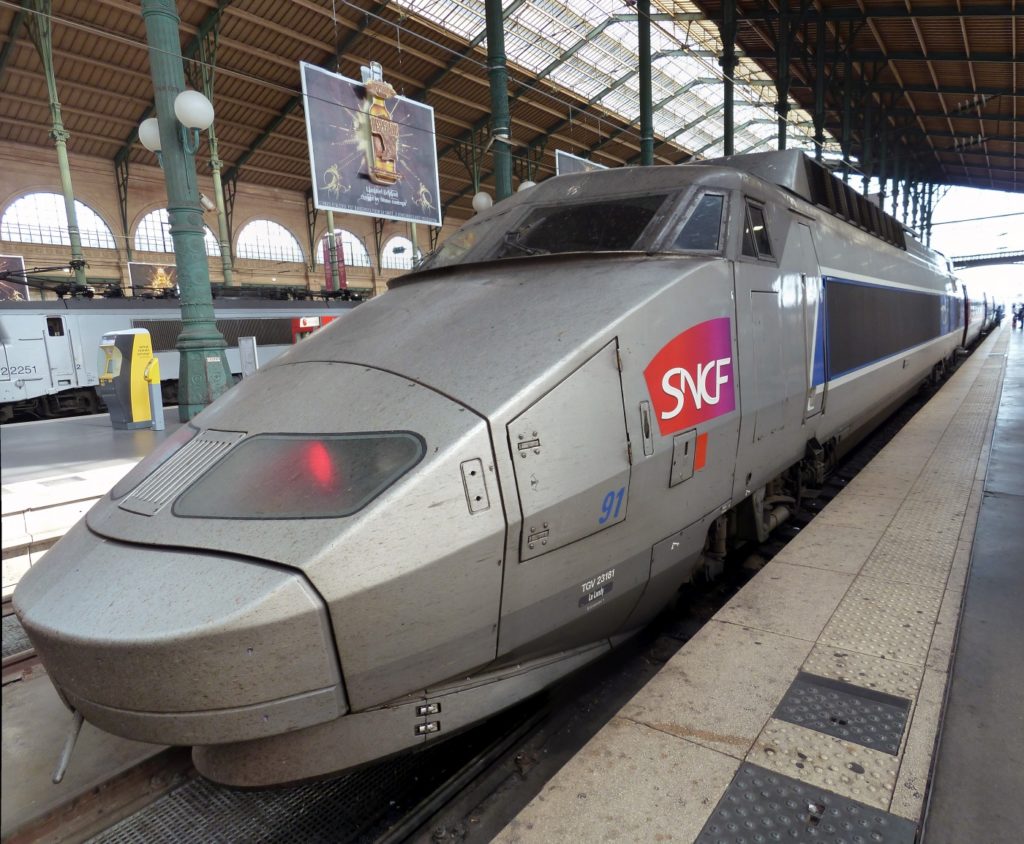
point(319, 464)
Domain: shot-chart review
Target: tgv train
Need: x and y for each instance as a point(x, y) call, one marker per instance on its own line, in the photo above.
point(49, 350)
point(493, 474)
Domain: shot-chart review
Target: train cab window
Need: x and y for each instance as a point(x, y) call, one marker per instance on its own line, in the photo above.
point(608, 226)
point(55, 326)
point(703, 230)
point(756, 242)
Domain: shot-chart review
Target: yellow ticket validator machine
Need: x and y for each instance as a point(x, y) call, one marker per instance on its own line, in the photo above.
point(125, 357)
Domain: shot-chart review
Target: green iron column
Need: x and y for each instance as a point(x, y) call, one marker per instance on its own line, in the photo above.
point(226, 260)
point(728, 62)
point(204, 372)
point(207, 66)
point(883, 163)
point(782, 83)
point(332, 252)
point(643, 21)
point(847, 103)
point(867, 156)
point(929, 209)
point(500, 120)
point(42, 36)
point(819, 90)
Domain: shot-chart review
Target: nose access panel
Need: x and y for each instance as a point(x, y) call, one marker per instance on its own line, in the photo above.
point(179, 647)
point(571, 456)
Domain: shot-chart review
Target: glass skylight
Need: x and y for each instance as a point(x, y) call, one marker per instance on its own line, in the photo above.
point(587, 46)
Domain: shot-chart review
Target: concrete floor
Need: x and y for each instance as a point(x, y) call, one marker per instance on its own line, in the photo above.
point(36, 725)
point(979, 778)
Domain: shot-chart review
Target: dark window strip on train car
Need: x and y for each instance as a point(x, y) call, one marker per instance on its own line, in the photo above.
point(275, 331)
point(869, 322)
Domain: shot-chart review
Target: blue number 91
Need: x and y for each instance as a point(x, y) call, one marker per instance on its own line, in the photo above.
point(612, 505)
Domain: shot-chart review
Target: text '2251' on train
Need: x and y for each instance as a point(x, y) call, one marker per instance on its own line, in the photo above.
point(494, 473)
point(49, 351)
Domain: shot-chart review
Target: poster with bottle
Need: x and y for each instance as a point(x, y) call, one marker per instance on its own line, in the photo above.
point(371, 151)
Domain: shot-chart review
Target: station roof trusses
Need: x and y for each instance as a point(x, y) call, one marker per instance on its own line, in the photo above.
point(943, 78)
point(945, 70)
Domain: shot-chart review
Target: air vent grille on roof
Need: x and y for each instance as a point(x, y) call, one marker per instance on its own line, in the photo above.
point(178, 472)
point(800, 174)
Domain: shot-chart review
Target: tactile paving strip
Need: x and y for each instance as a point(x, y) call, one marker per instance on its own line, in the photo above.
point(870, 672)
point(909, 559)
point(852, 770)
point(14, 638)
point(862, 716)
point(763, 806)
point(887, 619)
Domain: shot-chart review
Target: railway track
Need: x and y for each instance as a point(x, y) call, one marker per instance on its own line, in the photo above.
point(18, 654)
point(465, 789)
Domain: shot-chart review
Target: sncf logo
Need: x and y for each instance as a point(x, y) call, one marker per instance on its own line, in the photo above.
point(690, 379)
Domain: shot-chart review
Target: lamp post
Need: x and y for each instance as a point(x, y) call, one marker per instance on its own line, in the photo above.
point(174, 136)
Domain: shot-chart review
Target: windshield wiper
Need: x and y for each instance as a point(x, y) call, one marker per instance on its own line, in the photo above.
point(514, 239)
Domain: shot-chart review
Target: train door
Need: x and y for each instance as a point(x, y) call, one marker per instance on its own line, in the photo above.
point(572, 472)
point(59, 353)
point(775, 271)
point(812, 293)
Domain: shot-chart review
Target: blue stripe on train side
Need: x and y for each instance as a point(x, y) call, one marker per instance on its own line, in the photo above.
point(818, 370)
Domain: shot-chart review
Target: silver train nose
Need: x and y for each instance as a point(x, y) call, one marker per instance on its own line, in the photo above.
point(204, 648)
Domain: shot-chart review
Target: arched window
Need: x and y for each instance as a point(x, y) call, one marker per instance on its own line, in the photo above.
point(153, 234)
point(355, 253)
point(398, 254)
point(42, 218)
point(267, 241)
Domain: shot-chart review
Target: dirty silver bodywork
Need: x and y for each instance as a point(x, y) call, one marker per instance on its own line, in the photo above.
point(548, 518)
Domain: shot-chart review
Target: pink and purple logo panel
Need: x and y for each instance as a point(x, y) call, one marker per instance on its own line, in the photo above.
point(691, 379)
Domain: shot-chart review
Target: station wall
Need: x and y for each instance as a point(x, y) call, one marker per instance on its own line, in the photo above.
point(28, 169)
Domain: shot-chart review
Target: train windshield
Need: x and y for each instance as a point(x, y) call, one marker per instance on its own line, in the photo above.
point(608, 224)
point(285, 476)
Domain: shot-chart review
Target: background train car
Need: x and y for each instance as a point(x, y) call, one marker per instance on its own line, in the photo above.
point(494, 473)
point(49, 350)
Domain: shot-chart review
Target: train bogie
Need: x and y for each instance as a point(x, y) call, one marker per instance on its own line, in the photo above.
point(496, 472)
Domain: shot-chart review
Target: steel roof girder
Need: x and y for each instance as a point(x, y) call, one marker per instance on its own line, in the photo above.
point(12, 38)
point(949, 10)
point(898, 56)
point(472, 45)
point(891, 88)
point(231, 176)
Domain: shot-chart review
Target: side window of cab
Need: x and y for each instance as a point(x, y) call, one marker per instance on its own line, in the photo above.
point(702, 231)
point(757, 243)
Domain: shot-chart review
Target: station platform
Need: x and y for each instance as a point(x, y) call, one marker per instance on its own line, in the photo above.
point(53, 471)
point(808, 708)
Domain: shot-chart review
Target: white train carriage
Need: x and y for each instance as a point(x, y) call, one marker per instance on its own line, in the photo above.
point(49, 350)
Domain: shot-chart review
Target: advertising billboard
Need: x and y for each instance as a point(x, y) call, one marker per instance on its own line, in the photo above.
point(568, 163)
point(12, 279)
point(371, 151)
point(153, 279)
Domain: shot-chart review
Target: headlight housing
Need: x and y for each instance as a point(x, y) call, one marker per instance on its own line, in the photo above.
point(287, 476)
